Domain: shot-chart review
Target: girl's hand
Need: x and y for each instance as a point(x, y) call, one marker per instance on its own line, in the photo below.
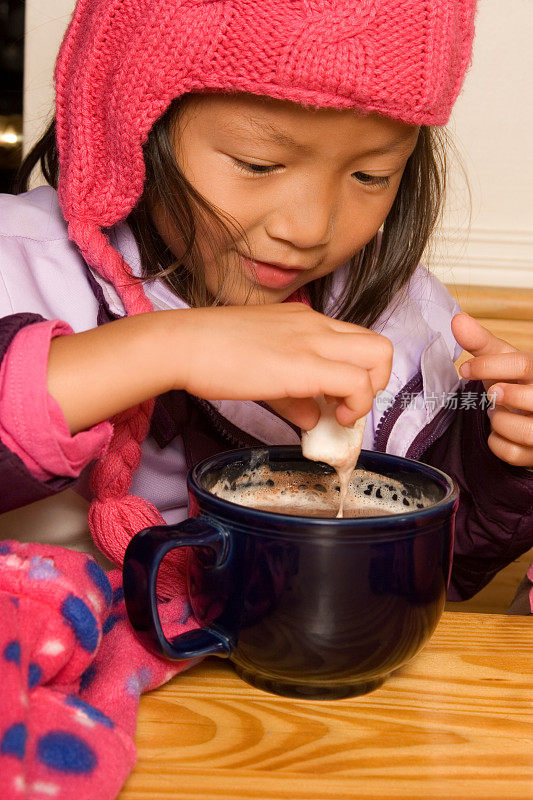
point(507, 374)
point(284, 354)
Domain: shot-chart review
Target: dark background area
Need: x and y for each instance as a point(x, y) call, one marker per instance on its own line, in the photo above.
point(11, 82)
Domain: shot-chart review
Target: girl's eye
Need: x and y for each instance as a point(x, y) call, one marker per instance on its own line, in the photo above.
point(371, 180)
point(254, 169)
point(265, 169)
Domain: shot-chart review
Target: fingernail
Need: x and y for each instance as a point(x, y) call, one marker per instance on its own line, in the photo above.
point(465, 370)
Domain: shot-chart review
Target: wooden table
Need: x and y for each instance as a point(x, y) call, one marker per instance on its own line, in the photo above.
point(456, 724)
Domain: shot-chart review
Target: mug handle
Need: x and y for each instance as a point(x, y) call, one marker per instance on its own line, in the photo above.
point(142, 559)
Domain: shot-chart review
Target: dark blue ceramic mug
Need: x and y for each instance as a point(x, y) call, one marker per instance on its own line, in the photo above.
point(303, 606)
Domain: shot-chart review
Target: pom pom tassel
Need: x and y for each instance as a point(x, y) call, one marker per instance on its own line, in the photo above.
point(114, 521)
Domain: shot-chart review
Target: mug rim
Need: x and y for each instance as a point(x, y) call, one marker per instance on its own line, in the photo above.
point(417, 520)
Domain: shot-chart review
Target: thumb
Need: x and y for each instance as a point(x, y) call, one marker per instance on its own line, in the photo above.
point(303, 412)
point(476, 339)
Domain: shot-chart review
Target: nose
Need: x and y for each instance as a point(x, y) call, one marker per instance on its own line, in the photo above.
point(304, 217)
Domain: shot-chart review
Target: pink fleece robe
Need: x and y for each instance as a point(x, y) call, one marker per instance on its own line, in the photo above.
point(72, 672)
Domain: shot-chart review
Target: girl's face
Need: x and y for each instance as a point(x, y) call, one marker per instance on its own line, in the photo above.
point(309, 188)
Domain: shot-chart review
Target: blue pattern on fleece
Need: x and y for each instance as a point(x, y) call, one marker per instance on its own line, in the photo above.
point(87, 677)
point(118, 595)
point(100, 580)
point(110, 623)
point(82, 621)
point(34, 675)
point(12, 652)
point(66, 752)
point(92, 712)
point(13, 741)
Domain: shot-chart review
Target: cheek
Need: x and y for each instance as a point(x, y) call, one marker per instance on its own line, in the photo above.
point(241, 207)
point(168, 234)
point(381, 209)
point(235, 208)
point(360, 223)
point(383, 203)
point(216, 181)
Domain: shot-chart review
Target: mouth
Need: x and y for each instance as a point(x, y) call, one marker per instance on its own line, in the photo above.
point(271, 276)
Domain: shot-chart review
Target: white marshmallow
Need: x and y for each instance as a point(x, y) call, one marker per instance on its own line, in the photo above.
point(332, 443)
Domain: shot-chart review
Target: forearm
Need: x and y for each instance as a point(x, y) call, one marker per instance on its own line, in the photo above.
point(98, 373)
point(286, 353)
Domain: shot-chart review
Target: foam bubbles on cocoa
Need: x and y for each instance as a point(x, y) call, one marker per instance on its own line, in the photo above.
point(309, 494)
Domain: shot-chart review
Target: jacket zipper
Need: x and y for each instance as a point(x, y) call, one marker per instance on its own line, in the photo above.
point(217, 421)
point(422, 440)
point(393, 413)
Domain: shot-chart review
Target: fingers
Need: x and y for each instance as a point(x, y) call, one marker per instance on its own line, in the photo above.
point(337, 340)
point(368, 350)
point(476, 339)
point(512, 395)
point(349, 385)
point(511, 452)
point(343, 383)
point(345, 415)
point(515, 365)
point(517, 428)
point(303, 412)
point(511, 438)
point(358, 400)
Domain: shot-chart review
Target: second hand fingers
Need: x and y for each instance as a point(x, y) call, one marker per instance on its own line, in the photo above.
point(517, 428)
point(517, 365)
point(512, 395)
point(513, 453)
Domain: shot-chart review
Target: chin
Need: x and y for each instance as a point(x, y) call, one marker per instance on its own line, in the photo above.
point(254, 296)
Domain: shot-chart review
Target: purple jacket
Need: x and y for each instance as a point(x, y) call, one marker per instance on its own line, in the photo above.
point(45, 277)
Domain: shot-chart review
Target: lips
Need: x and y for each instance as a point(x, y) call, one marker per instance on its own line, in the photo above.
point(271, 276)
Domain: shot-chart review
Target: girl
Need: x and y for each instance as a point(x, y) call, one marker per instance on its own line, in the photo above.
point(239, 197)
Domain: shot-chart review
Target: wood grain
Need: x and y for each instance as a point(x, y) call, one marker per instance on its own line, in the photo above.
point(498, 302)
point(517, 332)
point(456, 723)
point(498, 595)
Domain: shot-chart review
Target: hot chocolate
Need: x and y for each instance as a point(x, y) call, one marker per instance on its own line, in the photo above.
point(317, 495)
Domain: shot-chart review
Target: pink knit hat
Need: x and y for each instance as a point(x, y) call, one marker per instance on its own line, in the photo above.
point(121, 64)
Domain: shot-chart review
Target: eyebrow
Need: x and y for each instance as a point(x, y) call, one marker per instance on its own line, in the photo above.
point(391, 147)
point(269, 132)
point(266, 131)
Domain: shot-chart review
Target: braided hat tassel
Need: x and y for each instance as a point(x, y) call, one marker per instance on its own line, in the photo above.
point(115, 516)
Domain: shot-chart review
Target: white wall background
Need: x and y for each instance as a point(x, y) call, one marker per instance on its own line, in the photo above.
point(492, 126)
